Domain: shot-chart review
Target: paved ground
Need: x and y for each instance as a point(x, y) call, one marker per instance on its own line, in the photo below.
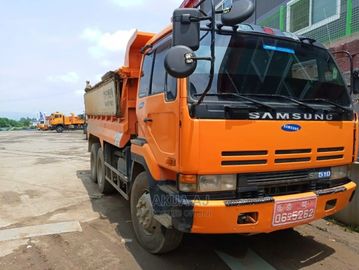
point(44, 179)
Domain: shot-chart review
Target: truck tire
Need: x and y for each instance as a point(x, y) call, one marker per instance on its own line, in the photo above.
point(104, 186)
point(152, 236)
point(59, 129)
point(93, 161)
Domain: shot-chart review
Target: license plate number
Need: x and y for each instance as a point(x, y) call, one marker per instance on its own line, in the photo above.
point(294, 211)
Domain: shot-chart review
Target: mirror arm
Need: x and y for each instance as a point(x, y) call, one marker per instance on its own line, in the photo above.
point(186, 18)
point(212, 58)
point(202, 58)
point(199, 19)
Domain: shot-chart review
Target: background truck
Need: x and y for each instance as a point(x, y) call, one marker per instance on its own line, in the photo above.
point(43, 122)
point(217, 127)
point(60, 122)
point(43, 125)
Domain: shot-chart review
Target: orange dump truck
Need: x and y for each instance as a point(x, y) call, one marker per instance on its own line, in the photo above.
point(221, 128)
point(60, 122)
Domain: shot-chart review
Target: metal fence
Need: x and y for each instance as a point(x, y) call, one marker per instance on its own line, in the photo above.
point(324, 20)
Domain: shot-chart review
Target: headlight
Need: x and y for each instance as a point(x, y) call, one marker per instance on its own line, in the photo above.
point(339, 172)
point(208, 183)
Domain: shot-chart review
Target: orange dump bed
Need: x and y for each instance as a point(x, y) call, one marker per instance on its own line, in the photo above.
point(114, 120)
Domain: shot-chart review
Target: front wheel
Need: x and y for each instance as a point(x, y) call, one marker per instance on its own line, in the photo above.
point(59, 129)
point(152, 236)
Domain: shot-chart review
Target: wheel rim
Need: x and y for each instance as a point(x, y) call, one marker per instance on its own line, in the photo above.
point(145, 216)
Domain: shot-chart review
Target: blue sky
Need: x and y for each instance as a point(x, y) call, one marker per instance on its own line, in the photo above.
point(50, 48)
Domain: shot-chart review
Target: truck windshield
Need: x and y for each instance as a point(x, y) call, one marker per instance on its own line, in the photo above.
point(265, 68)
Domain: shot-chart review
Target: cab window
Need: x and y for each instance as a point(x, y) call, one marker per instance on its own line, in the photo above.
point(146, 74)
point(161, 80)
point(159, 72)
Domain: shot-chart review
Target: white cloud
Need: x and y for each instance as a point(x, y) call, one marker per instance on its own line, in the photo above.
point(91, 34)
point(70, 77)
point(127, 3)
point(96, 52)
point(106, 63)
point(103, 43)
point(79, 92)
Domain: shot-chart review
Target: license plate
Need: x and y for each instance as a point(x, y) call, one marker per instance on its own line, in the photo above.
point(294, 211)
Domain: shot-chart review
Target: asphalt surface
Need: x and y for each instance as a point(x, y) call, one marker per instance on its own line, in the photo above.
point(53, 217)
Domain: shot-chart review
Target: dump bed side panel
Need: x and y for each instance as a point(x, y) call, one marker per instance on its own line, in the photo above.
point(103, 98)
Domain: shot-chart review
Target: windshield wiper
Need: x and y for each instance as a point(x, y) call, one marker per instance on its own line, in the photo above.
point(344, 109)
point(286, 98)
point(258, 103)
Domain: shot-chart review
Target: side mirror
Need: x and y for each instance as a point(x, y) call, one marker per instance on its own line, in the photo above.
point(355, 86)
point(186, 27)
point(180, 61)
point(236, 11)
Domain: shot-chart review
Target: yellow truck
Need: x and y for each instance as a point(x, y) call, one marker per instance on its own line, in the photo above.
point(60, 122)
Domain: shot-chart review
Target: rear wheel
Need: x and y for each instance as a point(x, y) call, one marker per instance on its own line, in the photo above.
point(93, 161)
point(154, 237)
point(59, 129)
point(104, 186)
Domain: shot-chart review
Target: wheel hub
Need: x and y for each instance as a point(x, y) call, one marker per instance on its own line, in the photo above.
point(145, 213)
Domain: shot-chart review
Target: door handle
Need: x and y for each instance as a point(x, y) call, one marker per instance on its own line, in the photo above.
point(146, 120)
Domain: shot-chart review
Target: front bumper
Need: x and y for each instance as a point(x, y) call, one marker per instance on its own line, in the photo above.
point(221, 216)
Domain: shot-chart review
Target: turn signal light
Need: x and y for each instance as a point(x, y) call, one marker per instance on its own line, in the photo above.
point(187, 182)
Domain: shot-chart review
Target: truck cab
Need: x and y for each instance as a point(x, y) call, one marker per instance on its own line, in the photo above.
point(57, 122)
point(56, 118)
point(60, 122)
point(247, 130)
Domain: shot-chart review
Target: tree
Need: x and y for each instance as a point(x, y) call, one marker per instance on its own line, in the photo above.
point(7, 123)
point(25, 122)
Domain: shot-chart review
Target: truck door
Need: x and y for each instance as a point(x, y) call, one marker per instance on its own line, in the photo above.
point(158, 107)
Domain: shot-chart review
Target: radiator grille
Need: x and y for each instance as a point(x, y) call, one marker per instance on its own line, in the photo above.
point(330, 153)
point(275, 177)
point(292, 155)
point(282, 156)
point(290, 160)
point(244, 162)
point(293, 151)
point(255, 157)
point(253, 185)
point(244, 153)
point(330, 149)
